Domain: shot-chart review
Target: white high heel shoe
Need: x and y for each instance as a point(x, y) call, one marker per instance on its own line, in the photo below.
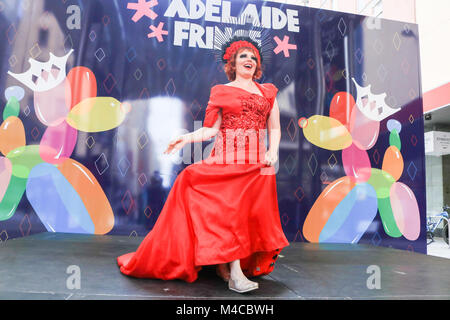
point(242, 285)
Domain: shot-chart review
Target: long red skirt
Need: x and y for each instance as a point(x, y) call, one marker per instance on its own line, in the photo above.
point(214, 213)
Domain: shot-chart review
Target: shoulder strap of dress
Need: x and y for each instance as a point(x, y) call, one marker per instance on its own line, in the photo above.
point(270, 91)
point(271, 88)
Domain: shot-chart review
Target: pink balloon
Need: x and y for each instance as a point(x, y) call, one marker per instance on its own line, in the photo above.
point(364, 131)
point(50, 106)
point(57, 143)
point(406, 210)
point(356, 163)
point(5, 175)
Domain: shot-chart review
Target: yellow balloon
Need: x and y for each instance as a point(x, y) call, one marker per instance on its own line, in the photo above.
point(98, 114)
point(327, 133)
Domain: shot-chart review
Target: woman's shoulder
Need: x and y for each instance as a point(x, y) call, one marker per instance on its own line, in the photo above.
point(266, 85)
point(218, 88)
point(222, 85)
point(222, 90)
point(269, 86)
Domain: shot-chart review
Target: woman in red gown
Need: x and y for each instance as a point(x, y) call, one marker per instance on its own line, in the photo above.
point(222, 210)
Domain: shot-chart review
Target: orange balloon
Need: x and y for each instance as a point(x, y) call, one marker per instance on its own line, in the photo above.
point(393, 162)
point(324, 206)
point(81, 83)
point(341, 107)
point(12, 134)
point(91, 193)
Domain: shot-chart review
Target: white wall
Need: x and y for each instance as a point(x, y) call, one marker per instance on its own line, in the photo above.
point(434, 185)
point(434, 33)
point(400, 10)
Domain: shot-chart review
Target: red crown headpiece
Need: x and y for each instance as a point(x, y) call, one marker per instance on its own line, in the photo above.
point(235, 44)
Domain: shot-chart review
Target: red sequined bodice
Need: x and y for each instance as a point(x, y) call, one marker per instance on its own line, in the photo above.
point(244, 130)
point(253, 114)
point(244, 118)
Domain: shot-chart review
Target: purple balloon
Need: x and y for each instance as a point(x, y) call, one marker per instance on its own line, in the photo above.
point(356, 163)
point(57, 143)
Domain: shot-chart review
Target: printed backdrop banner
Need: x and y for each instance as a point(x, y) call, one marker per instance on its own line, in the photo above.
point(92, 91)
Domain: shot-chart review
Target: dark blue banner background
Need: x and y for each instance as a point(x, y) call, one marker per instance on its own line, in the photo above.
point(168, 88)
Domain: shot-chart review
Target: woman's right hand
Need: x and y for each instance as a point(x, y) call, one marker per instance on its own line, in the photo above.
point(176, 144)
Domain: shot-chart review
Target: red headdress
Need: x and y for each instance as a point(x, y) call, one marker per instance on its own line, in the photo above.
point(232, 46)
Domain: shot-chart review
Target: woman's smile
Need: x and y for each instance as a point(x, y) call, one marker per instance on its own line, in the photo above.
point(248, 65)
point(246, 61)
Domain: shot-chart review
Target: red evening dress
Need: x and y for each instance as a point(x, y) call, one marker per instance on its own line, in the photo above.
point(221, 208)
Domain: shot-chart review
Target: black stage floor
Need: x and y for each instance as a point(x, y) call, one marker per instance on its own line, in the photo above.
point(35, 267)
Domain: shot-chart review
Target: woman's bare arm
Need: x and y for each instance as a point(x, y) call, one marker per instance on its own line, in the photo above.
point(273, 125)
point(202, 134)
point(274, 128)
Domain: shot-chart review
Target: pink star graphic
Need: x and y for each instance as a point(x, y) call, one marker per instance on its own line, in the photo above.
point(284, 46)
point(158, 32)
point(142, 8)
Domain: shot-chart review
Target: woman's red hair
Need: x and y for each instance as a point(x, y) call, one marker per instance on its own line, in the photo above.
point(230, 66)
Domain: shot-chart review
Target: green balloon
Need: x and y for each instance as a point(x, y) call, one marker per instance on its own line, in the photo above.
point(381, 181)
point(387, 217)
point(23, 159)
point(394, 139)
point(12, 197)
point(12, 108)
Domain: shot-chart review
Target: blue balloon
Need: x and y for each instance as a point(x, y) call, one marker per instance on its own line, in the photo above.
point(349, 221)
point(56, 202)
point(338, 217)
point(394, 124)
point(14, 91)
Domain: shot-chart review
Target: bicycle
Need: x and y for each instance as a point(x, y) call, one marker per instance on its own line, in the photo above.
point(434, 221)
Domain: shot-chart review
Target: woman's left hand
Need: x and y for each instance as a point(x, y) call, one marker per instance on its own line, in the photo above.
point(270, 158)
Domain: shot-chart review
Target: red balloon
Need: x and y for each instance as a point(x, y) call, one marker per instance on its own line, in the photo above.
point(82, 84)
point(341, 107)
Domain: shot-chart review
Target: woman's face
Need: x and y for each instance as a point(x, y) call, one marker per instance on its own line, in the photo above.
point(246, 63)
